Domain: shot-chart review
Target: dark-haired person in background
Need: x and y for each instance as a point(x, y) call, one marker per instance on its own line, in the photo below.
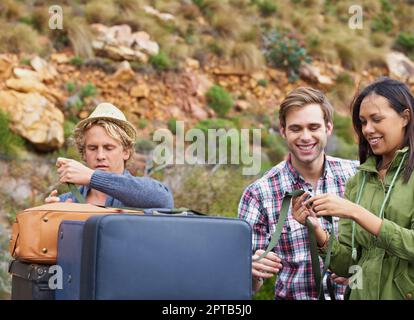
point(378, 234)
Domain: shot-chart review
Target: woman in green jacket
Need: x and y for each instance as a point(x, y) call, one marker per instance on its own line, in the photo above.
point(376, 229)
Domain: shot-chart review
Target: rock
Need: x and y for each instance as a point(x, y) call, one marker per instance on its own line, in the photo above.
point(259, 75)
point(22, 192)
point(140, 91)
point(83, 114)
point(7, 62)
point(26, 85)
point(118, 43)
point(176, 112)
point(400, 67)
point(34, 118)
point(162, 16)
point(124, 53)
point(124, 73)
point(197, 111)
point(228, 71)
point(141, 41)
point(242, 105)
point(46, 71)
point(204, 84)
point(24, 73)
point(313, 73)
point(59, 58)
point(120, 33)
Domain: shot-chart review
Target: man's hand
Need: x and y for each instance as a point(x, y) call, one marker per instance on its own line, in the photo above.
point(265, 268)
point(73, 171)
point(54, 198)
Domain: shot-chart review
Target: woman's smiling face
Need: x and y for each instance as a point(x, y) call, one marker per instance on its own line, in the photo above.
point(382, 126)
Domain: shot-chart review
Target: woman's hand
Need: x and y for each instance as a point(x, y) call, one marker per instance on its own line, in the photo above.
point(332, 205)
point(300, 212)
point(339, 280)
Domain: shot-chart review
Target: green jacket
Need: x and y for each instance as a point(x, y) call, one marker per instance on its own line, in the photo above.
point(387, 261)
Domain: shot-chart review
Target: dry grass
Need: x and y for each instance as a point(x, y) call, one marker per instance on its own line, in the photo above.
point(228, 24)
point(19, 38)
point(247, 56)
point(11, 9)
point(80, 37)
point(101, 11)
point(355, 53)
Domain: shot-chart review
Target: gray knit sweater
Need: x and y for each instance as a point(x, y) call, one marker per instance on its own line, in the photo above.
point(125, 190)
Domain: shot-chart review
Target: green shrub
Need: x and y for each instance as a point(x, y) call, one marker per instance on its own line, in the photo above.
point(285, 50)
point(266, 292)
point(144, 146)
point(88, 90)
point(216, 48)
point(382, 23)
point(217, 123)
point(275, 146)
point(343, 128)
point(160, 61)
point(342, 149)
point(10, 143)
point(68, 127)
point(229, 136)
point(26, 20)
point(77, 61)
point(142, 123)
point(199, 188)
point(386, 6)
point(266, 7)
point(70, 86)
point(172, 125)
point(345, 78)
point(263, 82)
point(219, 100)
point(405, 42)
point(25, 61)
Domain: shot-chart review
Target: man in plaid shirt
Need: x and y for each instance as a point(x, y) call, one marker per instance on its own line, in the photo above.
point(306, 121)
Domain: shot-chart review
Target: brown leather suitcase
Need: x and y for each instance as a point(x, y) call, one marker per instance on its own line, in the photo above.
point(35, 230)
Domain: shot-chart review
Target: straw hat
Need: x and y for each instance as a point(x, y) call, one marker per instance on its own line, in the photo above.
point(107, 111)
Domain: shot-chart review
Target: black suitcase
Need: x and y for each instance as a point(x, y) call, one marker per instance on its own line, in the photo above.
point(30, 281)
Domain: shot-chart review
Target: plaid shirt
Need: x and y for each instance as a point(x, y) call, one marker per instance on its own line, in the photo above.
point(260, 206)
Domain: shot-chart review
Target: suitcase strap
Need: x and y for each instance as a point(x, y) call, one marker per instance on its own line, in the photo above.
point(275, 237)
point(184, 211)
point(28, 271)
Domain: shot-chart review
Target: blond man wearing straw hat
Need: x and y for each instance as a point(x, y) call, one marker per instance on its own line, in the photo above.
point(105, 141)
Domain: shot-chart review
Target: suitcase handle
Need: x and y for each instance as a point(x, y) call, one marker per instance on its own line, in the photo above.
point(80, 198)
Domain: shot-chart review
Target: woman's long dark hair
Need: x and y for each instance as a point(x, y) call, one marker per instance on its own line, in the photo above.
point(400, 98)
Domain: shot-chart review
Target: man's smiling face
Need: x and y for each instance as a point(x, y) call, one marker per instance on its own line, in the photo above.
point(306, 133)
